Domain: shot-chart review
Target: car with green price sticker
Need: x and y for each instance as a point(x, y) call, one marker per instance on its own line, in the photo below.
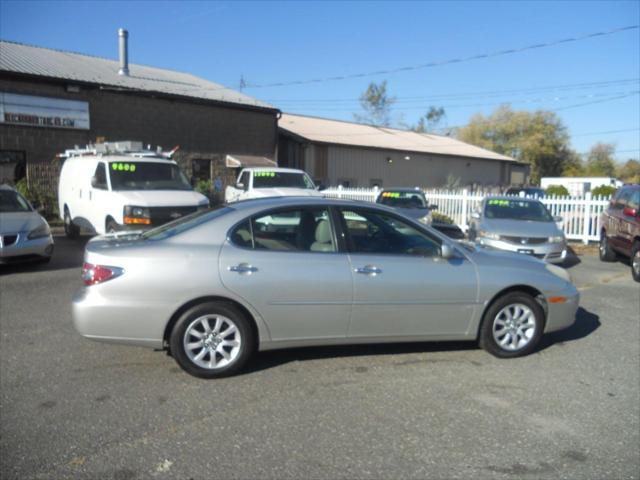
point(123, 191)
point(517, 224)
point(263, 182)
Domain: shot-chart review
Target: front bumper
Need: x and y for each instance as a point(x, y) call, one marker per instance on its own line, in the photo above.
point(562, 315)
point(24, 249)
point(548, 252)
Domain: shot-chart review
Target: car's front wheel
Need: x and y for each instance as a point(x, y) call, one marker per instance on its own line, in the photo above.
point(635, 261)
point(512, 326)
point(212, 340)
point(606, 254)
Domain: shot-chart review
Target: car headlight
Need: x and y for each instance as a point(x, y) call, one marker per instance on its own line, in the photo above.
point(489, 235)
point(136, 215)
point(39, 232)
point(556, 239)
point(559, 272)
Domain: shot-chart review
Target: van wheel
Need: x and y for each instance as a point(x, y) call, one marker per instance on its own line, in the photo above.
point(111, 226)
point(71, 230)
point(606, 254)
point(212, 340)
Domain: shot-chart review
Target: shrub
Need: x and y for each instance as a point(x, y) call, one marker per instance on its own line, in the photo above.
point(557, 190)
point(603, 191)
point(441, 218)
point(40, 198)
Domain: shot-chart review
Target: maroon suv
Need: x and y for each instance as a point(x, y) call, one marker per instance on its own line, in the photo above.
point(620, 228)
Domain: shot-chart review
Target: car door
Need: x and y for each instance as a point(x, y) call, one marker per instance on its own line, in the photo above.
point(617, 238)
point(628, 222)
point(402, 286)
point(98, 198)
point(286, 264)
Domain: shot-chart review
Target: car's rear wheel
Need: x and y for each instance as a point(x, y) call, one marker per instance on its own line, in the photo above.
point(70, 229)
point(512, 326)
point(606, 254)
point(212, 340)
point(635, 261)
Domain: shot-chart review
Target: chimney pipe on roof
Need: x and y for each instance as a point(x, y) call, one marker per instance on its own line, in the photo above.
point(123, 37)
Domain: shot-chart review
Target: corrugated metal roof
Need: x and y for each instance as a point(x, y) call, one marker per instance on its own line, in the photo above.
point(358, 135)
point(45, 62)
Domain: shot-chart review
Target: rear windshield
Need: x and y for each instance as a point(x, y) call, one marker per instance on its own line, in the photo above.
point(147, 176)
point(403, 199)
point(11, 201)
point(185, 223)
point(516, 210)
point(265, 179)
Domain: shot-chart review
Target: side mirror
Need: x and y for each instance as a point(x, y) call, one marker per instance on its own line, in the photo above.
point(475, 215)
point(630, 212)
point(558, 219)
point(94, 182)
point(447, 251)
point(240, 186)
point(433, 207)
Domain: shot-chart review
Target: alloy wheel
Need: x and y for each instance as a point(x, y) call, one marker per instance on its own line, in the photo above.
point(514, 326)
point(212, 341)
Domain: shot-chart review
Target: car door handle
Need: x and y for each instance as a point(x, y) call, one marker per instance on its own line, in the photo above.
point(368, 270)
point(243, 268)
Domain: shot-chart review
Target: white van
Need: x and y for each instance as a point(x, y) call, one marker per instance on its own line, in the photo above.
point(261, 182)
point(107, 193)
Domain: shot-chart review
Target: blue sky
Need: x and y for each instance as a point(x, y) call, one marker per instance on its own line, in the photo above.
point(269, 42)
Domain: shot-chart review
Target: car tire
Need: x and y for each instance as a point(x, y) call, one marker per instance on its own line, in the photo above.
point(605, 252)
point(111, 226)
point(71, 230)
point(635, 261)
point(512, 326)
point(200, 347)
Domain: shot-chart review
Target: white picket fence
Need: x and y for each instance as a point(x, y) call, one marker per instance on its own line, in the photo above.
point(580, 215)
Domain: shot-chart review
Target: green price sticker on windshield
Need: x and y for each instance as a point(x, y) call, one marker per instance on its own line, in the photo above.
point(502, 203)
point(123, 167)
point(265, 174)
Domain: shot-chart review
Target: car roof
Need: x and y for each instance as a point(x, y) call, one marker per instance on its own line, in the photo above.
point(403, 189)
point(4, 186)
point(292, 201)
point(123, 158)
point(274, 169)
point(511, 197)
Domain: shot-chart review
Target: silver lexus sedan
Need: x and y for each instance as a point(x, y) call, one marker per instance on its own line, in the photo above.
point(522, 225)
point(216, 286)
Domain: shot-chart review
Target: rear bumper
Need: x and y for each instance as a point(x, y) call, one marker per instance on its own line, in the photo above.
point(23, 248)
point(562, 315)
point(125, 322)
point(548, 252)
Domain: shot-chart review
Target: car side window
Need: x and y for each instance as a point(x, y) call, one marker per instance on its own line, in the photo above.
point(101, 176)
point(244, 179)
point(622, 198)
point(634, 201)
point(301, 230)
point(373, 232)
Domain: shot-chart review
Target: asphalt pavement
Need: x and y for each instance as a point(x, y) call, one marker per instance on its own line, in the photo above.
point(71, 408)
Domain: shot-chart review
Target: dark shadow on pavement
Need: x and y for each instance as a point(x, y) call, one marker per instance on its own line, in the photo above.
point(276, 358)
point(66, 254)
point(586, 323)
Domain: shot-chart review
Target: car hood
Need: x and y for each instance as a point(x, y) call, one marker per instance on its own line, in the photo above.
point(19, 222)
point(284, 192)
point(520, 228)
point(162, 198)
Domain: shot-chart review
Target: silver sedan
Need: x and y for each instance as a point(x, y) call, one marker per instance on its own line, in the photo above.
point(24, 234)
point(218, 285)
point(521, 225)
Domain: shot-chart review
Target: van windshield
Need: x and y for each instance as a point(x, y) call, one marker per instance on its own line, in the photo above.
point(266, 179)
point(147, 176)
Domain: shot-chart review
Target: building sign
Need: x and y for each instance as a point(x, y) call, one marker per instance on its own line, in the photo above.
point(43, 111)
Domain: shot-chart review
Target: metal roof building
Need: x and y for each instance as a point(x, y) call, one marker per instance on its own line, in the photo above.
point(52, 100)
point(357, 155)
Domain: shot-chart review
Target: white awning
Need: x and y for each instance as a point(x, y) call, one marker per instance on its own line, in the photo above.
point(236, 161)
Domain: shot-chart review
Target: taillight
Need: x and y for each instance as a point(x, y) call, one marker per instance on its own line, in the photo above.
point(93, 274)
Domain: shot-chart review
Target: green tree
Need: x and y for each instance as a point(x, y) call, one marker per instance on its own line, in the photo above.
point(537, 138)
point(600, 161)
point(376, 103)
point(430, 120)
point(573, 165)
point(629, 172)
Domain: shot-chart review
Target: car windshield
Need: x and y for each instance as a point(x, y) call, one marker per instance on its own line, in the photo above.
point(11, 201)
point(185, 223)
point(147, 176)
point(274, 179)
point(403, 199)
point(516, 210)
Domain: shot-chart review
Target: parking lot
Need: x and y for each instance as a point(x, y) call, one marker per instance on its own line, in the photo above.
point(71, 408)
